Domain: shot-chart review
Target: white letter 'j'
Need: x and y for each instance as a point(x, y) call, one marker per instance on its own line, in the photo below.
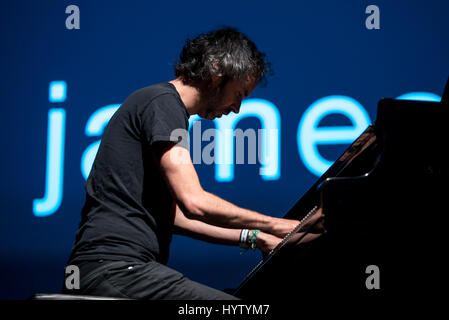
point(51, 201)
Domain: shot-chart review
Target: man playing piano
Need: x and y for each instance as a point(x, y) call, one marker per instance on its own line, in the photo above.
point(143, 185)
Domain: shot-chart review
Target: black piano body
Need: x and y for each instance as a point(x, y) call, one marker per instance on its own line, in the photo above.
point(385, 209)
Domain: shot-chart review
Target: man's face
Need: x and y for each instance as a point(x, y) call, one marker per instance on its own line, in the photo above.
point(222, 100)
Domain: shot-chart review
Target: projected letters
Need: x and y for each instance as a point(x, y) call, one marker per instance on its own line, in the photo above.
point(94, 128)
point(269, 139)
point(55, 154)
point(309, 136)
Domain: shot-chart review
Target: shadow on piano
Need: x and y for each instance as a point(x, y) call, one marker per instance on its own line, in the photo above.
point(384, 202)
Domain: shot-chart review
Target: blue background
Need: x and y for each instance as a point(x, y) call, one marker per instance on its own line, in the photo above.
point(317, 48)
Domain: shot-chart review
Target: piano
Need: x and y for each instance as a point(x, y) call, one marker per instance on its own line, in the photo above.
point(385, 205)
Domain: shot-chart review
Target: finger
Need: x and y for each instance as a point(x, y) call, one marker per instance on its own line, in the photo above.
point(315, 217)
point(316, 222)
point(309, 237)
point(300, 238)
point(318, 227)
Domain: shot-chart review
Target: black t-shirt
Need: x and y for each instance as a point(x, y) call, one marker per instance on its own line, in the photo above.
point(128, 213)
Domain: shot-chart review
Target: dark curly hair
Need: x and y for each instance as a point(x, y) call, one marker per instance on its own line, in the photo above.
point(226, 53)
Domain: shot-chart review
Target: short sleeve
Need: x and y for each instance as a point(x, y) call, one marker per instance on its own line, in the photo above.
point(165, 119)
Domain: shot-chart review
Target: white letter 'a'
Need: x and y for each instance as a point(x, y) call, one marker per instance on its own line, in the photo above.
point(373, 280)
point(73, 279)
point(373, 20)
point(72, 21)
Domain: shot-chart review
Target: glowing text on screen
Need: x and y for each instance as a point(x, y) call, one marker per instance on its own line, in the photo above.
point(55, 154)
point(94, 128)
point(268, 115)
point(309, 136)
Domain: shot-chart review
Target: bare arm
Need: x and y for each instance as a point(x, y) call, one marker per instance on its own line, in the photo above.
point(210, 233)
point(203, 231)
point(197, 204)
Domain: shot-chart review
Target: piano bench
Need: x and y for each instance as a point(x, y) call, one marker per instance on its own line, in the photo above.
point(58, 296)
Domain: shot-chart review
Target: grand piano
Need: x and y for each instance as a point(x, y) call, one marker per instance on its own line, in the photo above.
point(384, 205)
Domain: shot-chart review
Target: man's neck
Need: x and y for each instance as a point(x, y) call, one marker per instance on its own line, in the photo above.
point(190, 95)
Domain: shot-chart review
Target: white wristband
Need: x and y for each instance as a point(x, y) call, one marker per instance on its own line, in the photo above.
point(244, 238)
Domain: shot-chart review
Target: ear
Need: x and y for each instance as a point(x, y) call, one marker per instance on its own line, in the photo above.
point(215, 81)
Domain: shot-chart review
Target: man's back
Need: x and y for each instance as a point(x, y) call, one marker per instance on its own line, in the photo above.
point(127, 213)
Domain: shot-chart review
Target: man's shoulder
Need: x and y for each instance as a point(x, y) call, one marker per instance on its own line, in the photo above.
point(159, 90)
point(160, 99)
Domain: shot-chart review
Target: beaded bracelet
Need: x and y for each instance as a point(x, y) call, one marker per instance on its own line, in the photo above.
point(253, 239)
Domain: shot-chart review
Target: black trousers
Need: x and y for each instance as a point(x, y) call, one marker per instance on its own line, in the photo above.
point(138, 280)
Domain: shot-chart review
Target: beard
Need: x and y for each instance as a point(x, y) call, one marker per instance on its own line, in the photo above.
point(210, 100)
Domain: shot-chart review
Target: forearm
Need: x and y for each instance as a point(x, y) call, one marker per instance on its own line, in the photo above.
point(210, 233)
point(201, 205)
point(203, 231)
point(219, 212)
